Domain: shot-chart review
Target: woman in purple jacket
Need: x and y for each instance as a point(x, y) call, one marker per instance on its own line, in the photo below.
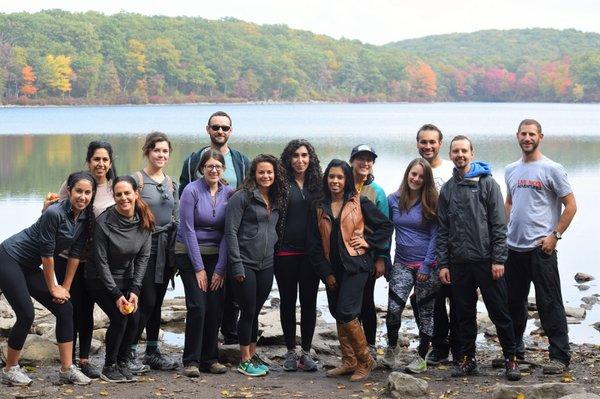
point(201, 257)
point(413, 210)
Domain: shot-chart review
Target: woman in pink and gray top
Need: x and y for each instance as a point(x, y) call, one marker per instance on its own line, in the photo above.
point(201, 257)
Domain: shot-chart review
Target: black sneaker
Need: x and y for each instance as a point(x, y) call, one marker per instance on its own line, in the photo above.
point(435, 357)
point(112, 374)
point(129, 377)
point(134, 365)
point(157, 361)
point(89, 370)
point(512, 369)
point(467, 366)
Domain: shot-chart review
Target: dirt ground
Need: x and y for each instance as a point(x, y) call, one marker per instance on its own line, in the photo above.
point(585, 369)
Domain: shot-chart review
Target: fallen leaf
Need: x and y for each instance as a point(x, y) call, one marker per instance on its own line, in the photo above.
point(520, 395)
point(103, 392)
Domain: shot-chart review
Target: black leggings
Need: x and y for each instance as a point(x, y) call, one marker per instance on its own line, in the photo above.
point(345, 302)
point(368, 315)
point(251, 294)
point(83, 307)
point(292, 272)
point(120, 327)
point(18, 284)
point(150, 303)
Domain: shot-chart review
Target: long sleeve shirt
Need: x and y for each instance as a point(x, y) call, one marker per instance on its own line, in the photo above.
point(202, 222)
point(415, 237)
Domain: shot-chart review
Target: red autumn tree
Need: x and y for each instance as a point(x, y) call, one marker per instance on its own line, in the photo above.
point(28, 78)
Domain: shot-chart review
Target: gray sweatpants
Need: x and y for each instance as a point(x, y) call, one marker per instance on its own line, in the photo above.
point(402, 280)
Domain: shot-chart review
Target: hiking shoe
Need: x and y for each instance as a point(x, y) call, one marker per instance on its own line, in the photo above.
point(435, 357)
point(112, 374)
point(89, 370)
point(126, 371)
point(73, 376)
point(290, 362)
point(500, 362)
point(157, 361)
point(258, 362)
point(390, 356)
point(134, 365)
point(417, 366)
point(512, 369)
point(191, 371)
point(250, 369)
point(554, 366)
point(306, 362)
point(373, 352)
point(467, 366)
point(15, 377)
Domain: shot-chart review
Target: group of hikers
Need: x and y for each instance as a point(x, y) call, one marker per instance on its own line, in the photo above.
point(232, 225)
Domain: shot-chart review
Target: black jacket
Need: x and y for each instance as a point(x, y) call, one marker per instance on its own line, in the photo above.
point(472, 223)
point(121, 253)
point(378, 231)
point(241, 164)
point(250, 232)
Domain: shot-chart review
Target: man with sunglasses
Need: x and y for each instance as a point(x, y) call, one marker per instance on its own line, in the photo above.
point(237, 165)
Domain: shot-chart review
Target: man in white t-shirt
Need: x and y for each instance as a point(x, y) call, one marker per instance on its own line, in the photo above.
point(537, 190)
point(429, 143)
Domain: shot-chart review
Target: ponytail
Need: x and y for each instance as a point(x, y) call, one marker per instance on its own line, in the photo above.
point(141, 208)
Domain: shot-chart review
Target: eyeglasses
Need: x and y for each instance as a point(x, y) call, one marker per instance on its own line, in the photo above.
point(216, 168)
point(161, 189)
point(216, 128)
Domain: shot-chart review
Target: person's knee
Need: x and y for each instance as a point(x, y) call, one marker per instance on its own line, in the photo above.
point(25, 317)
point(64, 312)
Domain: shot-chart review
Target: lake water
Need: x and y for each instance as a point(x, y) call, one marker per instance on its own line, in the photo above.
point(40, 146)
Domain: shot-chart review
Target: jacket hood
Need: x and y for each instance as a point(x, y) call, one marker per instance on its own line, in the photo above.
point(478, 169)
point(114, 220)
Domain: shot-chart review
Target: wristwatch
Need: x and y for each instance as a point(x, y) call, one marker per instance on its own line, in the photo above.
point(557, 235)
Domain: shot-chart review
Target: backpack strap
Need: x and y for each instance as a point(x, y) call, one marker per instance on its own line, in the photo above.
point(170, 183)
point(140, 180)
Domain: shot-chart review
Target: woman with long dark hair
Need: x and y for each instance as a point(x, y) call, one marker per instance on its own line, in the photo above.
point(293, 270)
point(413, 210)
point(344, 231)
point(159, 192)
point(201, 257)
point(99, 160)
point(63, 227)
point(251, 234)
point(122, 243)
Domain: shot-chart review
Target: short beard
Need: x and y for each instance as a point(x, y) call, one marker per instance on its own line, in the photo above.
point(216, 143)
point(534, 147)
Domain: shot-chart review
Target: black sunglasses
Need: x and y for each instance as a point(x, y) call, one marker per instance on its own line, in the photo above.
point(217, 127)
point(161, 189)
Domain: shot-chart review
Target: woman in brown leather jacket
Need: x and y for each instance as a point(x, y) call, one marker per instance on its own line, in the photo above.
point(344, 230)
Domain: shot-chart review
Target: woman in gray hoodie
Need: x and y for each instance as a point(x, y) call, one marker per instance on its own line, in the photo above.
point(122, 242)
point(251, 235)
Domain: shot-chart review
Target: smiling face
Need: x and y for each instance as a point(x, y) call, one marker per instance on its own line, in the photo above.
point(429, 145)
point(99, 165)
point(125, 197)
point(529, 138)
point(216, 130)
point(212, 171)
point(461, 155)
point(265, 174)
point(300, 160)
point(362, 164)
point(415, 178)
point(159, 155)
point(80, 195)
point(336, 180)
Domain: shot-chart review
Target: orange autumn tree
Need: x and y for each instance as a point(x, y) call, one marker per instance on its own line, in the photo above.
point(422, 81)
point(28, 78)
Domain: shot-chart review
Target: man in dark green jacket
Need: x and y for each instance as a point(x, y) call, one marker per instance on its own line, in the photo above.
point(219, 129)
point(471, 251)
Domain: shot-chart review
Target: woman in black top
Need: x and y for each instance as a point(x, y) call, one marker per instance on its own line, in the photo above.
point(64, 226)
point(344, 230)
point(122, 241)
point(293, 270)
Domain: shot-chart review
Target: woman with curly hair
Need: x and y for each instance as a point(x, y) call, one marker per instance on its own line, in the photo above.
point(251, 235)
point(293, 270)
point(413, 210)
point(344, 232)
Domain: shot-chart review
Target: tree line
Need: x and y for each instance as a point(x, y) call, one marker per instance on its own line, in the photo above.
point(57, 57)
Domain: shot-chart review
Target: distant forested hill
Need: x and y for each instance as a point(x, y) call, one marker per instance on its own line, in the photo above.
point(79, 58)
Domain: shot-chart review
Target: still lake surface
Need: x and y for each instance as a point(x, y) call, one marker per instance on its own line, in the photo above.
point(40, 146)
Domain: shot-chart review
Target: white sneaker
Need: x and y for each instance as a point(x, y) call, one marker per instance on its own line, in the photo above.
point(15, 376)
point(73, 376)
point(390, 357)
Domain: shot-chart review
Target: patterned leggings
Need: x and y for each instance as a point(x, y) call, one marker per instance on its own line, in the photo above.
point(401, 282)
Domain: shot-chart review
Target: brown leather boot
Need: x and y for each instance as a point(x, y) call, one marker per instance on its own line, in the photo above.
point(348, 359)
point(364, 361)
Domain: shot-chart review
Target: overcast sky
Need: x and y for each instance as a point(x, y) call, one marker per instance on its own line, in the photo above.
point(371, 21)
